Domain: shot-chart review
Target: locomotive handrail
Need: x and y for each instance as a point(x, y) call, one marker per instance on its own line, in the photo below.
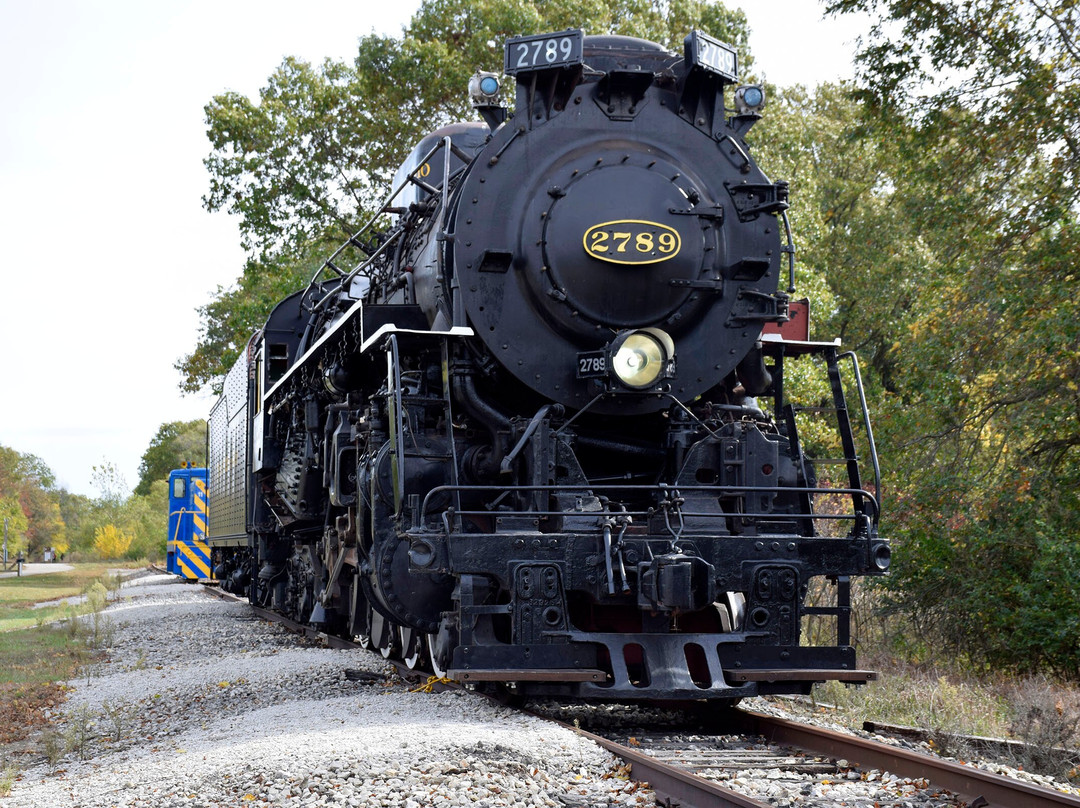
point(353, 240)
point(715, 489)
point(398, 424)
point(866, 425)
point(181, 512)
point(457, 305)
point(846, 517)
point(789, 248)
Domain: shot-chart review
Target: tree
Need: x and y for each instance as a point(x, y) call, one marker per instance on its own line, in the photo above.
point(110, 483)
point(30, 501)
point(175, 443)
point(14, 522)
point(305, 164)
point(76, 511)
point(980, 103)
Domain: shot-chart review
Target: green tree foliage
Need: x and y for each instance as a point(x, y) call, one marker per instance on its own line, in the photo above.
point(859, 256)
point(30, 501)
point(978, 106)
point(175, 443)
point(147, 518)
point(14, 521)
point(141, 519)
point(304, 164)
point(77, 512)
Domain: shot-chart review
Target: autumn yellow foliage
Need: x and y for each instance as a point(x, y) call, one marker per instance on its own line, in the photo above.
point(111, 542)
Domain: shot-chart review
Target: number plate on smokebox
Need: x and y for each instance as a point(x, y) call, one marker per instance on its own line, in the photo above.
point(591, 364)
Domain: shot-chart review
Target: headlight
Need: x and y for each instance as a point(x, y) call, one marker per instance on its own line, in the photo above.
point(640, 359)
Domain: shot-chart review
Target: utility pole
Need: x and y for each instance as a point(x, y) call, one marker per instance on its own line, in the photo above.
point(5, 540)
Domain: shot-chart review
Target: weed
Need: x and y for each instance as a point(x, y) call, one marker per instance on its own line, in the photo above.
point(52, 747)
point(71, 623)
point(80, 731)
point(101, 629)
point(1047, 719)
point(117, 717)
point(929, 700)
point(8, 775)
point(114, 582)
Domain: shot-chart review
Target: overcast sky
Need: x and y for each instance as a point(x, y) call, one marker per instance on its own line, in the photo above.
point(105, 249)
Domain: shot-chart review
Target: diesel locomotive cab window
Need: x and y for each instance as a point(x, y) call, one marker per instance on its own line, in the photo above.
point(531, 427)
point(179, 488)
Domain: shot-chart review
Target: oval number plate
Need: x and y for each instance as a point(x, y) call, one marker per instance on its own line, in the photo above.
point(632, 241)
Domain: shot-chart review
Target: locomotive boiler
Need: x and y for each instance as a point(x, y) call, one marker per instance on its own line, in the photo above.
point(535, 426)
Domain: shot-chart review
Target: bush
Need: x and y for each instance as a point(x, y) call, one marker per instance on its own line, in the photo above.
point(111, 542)
point(1047, 719)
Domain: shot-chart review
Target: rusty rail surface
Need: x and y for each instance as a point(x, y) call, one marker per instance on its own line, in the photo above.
point(682, 787)
point(967, 781)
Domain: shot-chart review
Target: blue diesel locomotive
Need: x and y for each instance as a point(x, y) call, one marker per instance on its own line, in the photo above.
point(188, 554)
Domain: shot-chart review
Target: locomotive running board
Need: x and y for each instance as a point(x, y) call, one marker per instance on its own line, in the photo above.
point(799, 675)
point(530, 675)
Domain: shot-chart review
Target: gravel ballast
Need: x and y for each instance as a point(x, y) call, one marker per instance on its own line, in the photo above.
point(200, 704)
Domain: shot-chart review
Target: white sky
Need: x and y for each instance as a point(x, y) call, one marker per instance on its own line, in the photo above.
point(105, 249)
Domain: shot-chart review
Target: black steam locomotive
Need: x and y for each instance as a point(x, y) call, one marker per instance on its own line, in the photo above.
point(531, 426)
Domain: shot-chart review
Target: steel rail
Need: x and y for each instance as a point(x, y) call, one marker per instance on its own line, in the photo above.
point(673, 784)
point(688, 790)
point(976, 785)
point(676, 785)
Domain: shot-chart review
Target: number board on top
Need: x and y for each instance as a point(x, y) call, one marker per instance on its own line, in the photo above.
point(712, 55)
point(544, 51)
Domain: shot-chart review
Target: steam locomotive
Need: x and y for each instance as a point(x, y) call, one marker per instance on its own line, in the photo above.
point(531, 427)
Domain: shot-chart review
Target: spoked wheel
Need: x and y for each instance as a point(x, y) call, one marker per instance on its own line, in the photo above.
point(360, 614)
point(412, 647)
point(390, 646)
point(436, 668)
point(384, 635)
point(364, 640)
point(440, 648)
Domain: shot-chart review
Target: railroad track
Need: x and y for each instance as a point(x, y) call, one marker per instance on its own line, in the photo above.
point(691, 774)
point(703, 766)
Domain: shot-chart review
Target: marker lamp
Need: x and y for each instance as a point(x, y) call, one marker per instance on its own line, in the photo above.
point(484, 89)
point(750, 99)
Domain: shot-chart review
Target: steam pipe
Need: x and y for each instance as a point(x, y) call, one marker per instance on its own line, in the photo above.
point(496, 421)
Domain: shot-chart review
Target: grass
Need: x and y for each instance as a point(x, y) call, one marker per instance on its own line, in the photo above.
point(930, 700)
point(18, 595)
point(1043, 714)
point(37, 654)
